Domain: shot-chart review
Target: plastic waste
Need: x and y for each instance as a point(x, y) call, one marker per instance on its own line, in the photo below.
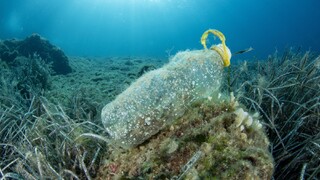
point(163, 95)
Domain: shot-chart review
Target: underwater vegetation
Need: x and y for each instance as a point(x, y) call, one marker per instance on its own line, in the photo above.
point(37, 136)
point(285, 90)
point(50, 126)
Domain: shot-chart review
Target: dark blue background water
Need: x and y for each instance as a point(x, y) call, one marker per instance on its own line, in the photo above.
point(152, 27)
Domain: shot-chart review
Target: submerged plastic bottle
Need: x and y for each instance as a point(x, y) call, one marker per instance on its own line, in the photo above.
point(163, 95)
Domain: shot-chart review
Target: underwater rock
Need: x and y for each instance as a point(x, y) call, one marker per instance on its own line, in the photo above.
point(207, 142)
point(35, 44)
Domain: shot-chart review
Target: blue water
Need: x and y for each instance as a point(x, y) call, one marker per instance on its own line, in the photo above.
point(155, 27)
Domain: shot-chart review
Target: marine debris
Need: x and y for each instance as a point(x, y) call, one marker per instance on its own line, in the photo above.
point(174, 123)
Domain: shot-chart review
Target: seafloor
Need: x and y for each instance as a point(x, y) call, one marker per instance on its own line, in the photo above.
point(51, 126)
point(101, 78)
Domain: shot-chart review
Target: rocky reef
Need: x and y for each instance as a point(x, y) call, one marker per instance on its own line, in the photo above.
point(214, 139)
point(35, 45)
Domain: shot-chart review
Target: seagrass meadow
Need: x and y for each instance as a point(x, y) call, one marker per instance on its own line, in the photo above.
point(50, 124)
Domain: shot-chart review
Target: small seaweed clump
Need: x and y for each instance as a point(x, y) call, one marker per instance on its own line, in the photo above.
point(285, 91)
point(213, 139)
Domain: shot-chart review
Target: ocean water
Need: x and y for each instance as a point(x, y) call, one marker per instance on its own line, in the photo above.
point(161, 27)
point(51, 125)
